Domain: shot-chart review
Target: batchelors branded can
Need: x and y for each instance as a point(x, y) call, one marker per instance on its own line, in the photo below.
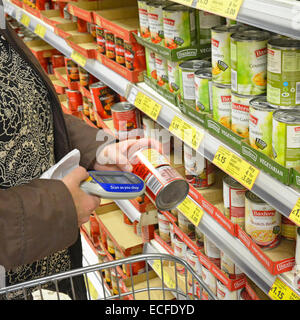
point(234, 201)
point(203, 90)
point(288, 229)
point(223, 293)
point(194, 262)
point(110, 46)
point(249, 62)
point(155, 20)
point(74, 100)
point(186, 226)
point(221, 103)
point(120, 50)
point(72, 70)
point(260, 124)
point(161, 66)
point(229, 267)
point(212, 252)
point(163, 227)
point(173, 75)
point(286, 138)
point(134, 56)
point(100, 39)
point(186, 77)
point(210, 280)
point(179, 251)
point(150, 64)
point(179, 26)
point(220, 52)
point(164, 186)
point(283, 87)
point(262, 222)
point(143, 19)
point(240, 114)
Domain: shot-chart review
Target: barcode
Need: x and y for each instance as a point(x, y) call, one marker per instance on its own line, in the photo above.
point(234, 80)
point(154, 184)
point(297, 92)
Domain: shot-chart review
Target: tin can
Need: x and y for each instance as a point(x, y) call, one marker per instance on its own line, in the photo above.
point(288, 229)
point(234, 201)
point(161, 66)
point(85, 106)
point(134, 56)
point(150, 64)
point(229, 267)
point(92, 30)
point(72, 70)
point(172, 235)
point(210, 280)
point(249, 62)
point(262, 222)
point(110, 246)
point(203, 90)
point(110, 47)
point(173, 76)
point(82, 26)
point(143, 19)
point(155, 20)
point(260, 124)
point(120, 50)
point(100, 39)
point(286, 138)
point(148, 126)
point(221, 102)
point(100, 91)
point(240, 114)
point(283, 72)
point(74, 100)
point(186, 77)
point(164, 186)
point(92, 111)
point(205, 21)
point(220, 52)
point(193, 261)
point(244, 295)
point(179, 251)
point(125, 117)
point(198, 171)
point(67, 15)
point(223, 293)
point(179, 26)
point(163, 227)
point(212, 252)
point(58, 61)
point(199, 237)
point(186, 226)
point(84, 78)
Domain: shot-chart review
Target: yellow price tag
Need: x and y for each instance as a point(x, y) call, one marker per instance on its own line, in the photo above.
point(236, 167)
point(25, 20)
point(227, 8)
point(147, 105)
point(191, 210)
point(280, 291)
point(187, 133)
point(295, 214)
point(167, 280)
point(78, 58)
point(40, 31)
point(93, 292)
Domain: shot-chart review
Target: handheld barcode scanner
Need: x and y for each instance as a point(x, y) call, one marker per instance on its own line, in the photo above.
point(113, 185)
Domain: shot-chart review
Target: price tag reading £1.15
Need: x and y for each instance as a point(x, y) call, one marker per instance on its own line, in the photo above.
point(191, 210)
point(295, 214)
point(280, 291)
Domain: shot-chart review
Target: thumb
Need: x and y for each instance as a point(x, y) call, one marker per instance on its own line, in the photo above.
point(78, 175)
point(123, 163)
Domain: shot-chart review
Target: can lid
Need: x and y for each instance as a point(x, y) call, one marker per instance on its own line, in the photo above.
point(283, 43)
point(221, 85)
point(194, 64)
point(251, 35)
point(122, 106)
point(287, 116)
point(233, 183)
point(261, 103)
point(204, 73)
point(252, 197)
point(97, 84)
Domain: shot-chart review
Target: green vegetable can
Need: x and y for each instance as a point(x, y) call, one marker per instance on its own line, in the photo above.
point(155, 20)
point(286, 137)
point(249, 62)
point(221, 97)
point(173, 75)
point(203, 90)
point(179, 26)
point(161, 66)
point(283, 88)
point(260, 124)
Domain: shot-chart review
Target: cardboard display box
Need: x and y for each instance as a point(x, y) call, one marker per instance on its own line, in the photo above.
point(83, 44)
point(33, 11)
point(52, 17)
point(41, 49)
point(65, 30)
point(58, 85)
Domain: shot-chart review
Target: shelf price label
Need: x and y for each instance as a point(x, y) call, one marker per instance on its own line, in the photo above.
point(281, 291)
point(150, 107)
point(295, 214)
point(40, 31)
point(167, 279)
point(191, 210)
point(25, 20)
point(227, 8)
point(78, 58)
point(186, 132)
point(236, 167)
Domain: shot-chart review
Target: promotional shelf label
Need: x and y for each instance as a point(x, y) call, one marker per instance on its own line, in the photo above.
point(191, 210)
point(236, 167)
point(40, 31)
point(295, 214)
point(78, 58)
point(150, 107)
point(280, 291)
point(186, 132)
point(226, 8)
point(25, 20)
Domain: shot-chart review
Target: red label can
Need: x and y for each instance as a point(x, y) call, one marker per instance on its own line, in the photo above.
point(58, 61)
point(100, 39)
point(85, 106)
point(85, 78)
point(72, 70)
point(92, 30)
point(61, 6)
point(110, 46)
point(120, 51)
point(82, 25)
point(134, 56)
point(74, 100)
point(164, 186)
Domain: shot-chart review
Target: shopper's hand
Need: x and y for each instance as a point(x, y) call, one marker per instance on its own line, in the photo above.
point(85, 204)
point(114, 156)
